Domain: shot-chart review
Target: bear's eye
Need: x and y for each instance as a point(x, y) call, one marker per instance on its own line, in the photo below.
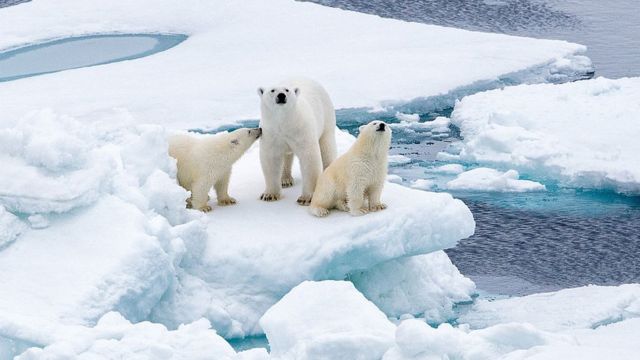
point(273, 90)
point(287, 90)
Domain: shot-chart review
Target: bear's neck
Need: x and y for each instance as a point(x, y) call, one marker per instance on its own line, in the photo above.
point(375, 149)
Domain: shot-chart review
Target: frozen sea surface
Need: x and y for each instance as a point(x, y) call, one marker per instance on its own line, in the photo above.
point(610, 29)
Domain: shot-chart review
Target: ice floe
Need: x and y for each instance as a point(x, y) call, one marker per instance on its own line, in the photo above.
point(577, 308)
point(486, 179)
point(581, 134)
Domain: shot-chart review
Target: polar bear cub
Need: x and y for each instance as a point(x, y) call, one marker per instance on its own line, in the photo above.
point(205, 162)
point(297, 118)
point(355, 180)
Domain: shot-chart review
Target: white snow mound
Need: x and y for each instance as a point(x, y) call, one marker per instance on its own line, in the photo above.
point(114, 337)
point(425, 285)
point(326, 320)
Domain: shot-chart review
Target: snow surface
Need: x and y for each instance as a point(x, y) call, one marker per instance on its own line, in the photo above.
point(10, 227)
point(486, 179)
point(415, 340)
point(581, 134)
point(114, 337)
point(577, 308)
point(210, 79)
point(327, 320)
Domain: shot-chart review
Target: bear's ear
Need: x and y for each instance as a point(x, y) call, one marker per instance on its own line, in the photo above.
point(362, 127)
point(235, 142)
point(296, 90)
point(260, 91)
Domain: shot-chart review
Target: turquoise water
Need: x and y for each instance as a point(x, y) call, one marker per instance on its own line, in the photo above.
point(76, 52)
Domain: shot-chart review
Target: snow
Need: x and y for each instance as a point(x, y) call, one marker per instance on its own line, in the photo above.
point(210, 79)
point(577, 308)
point(424, 285)
point(395, 160)
point(615, 341)
point(10, 227)
point(415, 340)
point(581, 134)
point(435, 126)
point(423, 184)
point(407, 117)
point(326, 320)
point(114, 337)
point(450, 169)
point(89, 263)
point(486, 179)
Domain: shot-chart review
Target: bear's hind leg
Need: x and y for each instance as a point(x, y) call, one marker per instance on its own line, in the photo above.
point(356, 200)
point(200, 196)
point(311, 168)
point(323, 198)
point(222, 188)
point(328, 148)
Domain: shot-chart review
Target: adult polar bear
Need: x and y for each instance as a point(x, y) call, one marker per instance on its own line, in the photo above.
point(298, 119)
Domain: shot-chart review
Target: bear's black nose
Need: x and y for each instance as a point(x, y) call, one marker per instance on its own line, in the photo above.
point(281, 98)
point(381, 127)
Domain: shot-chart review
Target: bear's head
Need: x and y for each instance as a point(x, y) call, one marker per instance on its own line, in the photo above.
point(376, 133)
point(241, 139)
point(279, 97)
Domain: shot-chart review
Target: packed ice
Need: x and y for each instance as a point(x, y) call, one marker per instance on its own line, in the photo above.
point(100, 258)
point(581, 134)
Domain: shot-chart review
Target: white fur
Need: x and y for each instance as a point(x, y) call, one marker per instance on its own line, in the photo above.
point(205, 162)
point(304, 126)
point(355, 180)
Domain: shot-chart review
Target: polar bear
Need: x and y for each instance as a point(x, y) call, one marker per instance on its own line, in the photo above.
point(205, 162)
point(297, 118)
point(354, 181)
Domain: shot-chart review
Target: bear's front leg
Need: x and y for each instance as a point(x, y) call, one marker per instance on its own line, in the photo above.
point(272, 162)
point(222, 188)
point(355, 200)
point(374, 193)
point(200, 195)
point(287, 177)
point(311, 168)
